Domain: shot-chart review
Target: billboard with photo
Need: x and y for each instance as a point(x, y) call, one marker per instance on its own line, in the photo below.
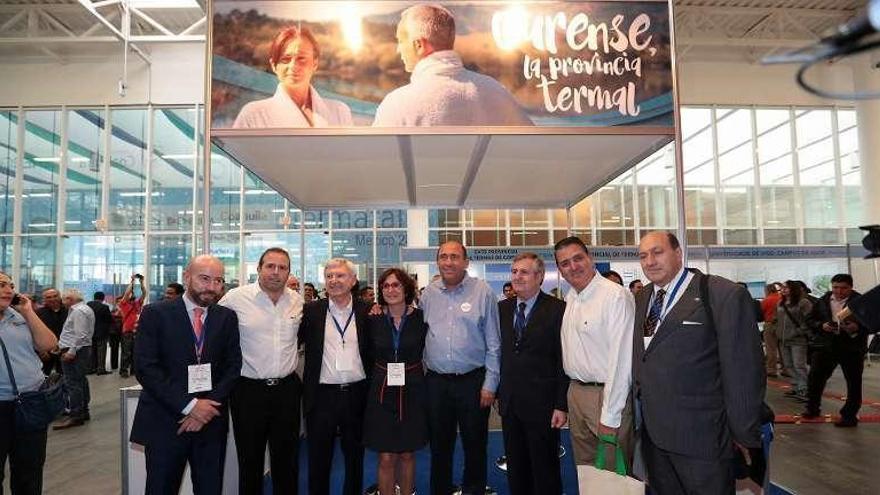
point(462, 64)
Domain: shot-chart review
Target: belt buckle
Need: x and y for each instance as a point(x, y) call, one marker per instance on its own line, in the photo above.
point(343, 386)
point(271, 382)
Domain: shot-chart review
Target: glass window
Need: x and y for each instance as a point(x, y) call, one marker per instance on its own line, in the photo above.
point(444, 218)
point(316, 219)
point(317, 253)
point(225, 193)
point(85, 144)
point(8, 156)
point(352, 219)
point(812, 125)
point(437, 237)
point(694, 121)
point(388, 245)
point(767, 119)
point(37, 267)
point(780, 236)
point(700, 207)
point(391, 219)
point(169, 255)
point(356, 246)
point(42, 160)
point(485, 218)
point(485, 238)
point(256, 244)
point(609, 201)
point(819, 206)
point(264, 208)
point(582, 214)
point(778, 207)
point(739, 206)
point(172, 169)
point(6, 245)
point(584, 235)
point(702, 237)
point(128, 182)
point(734, 129)
point(740, 236)
point(529, 237)
point(227, 248)
point(103, 262)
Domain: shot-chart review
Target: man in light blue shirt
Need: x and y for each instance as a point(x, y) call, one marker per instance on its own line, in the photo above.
point(462, 355)
point(76, 348)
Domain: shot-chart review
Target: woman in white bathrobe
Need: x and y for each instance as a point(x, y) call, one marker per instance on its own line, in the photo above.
point(293, 57)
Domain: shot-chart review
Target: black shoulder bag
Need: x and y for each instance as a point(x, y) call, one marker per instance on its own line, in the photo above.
point(35, 410)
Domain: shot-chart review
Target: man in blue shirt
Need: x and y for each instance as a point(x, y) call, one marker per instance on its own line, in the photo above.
point(462, 354)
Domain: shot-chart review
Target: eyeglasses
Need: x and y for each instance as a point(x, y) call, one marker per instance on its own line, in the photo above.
point(4, 285)
point(391, 285)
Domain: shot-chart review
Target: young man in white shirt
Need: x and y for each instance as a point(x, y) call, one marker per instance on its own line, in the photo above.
point(266, 400)
point(596, 354)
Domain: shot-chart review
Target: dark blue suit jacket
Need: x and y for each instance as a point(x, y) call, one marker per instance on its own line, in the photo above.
point(163, 349)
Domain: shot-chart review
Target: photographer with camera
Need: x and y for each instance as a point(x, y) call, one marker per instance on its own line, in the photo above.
point(130, 307)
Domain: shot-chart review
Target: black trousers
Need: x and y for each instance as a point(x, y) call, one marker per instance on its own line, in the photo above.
point(126, 367)
point(265, 412)
point(454, 402)
point(676, 474)
point(336, 408)
point(114, 350)
point(825, 360)
point(532, 450)
point(99, 355)
point(26, 452)
point(166, 461)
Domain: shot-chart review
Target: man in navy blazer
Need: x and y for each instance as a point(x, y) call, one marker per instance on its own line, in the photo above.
point(187, 358)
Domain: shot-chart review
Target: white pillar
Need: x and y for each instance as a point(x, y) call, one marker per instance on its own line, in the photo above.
point(417, 236)
point(866, 78)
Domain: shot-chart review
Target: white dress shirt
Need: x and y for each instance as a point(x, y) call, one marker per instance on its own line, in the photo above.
point(267, 330)
point(335, 350)
point(78, 329)
point(597, 342)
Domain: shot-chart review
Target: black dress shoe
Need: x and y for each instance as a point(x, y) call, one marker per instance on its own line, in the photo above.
point(847, 422)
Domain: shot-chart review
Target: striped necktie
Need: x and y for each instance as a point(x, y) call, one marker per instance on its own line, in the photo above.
point(654, 315)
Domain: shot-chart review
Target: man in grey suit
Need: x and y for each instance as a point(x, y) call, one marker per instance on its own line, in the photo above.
point(697, 373)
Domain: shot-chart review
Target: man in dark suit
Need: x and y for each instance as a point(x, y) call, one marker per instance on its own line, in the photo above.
point(697, 372)
point(187, 360)
point(836, 341)
point(338, 365)
point(103, 321)
point(533, 387)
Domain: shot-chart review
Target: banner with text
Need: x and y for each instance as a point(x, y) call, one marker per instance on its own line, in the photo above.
point(470, 64)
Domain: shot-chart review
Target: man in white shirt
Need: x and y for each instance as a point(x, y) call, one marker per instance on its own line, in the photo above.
point(265, 403)
point(596, 354)
point(441, 91)
point(338, 364)
point(76, 347)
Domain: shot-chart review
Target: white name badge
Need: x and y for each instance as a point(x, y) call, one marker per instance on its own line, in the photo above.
point(396, 374)
point(344, 362)
point(199, 377)
point(648, 341)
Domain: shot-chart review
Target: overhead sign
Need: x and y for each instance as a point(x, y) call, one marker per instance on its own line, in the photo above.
point(467, 64)
point(630, 253)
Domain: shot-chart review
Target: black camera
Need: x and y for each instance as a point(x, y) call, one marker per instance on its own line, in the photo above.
point(138, 276)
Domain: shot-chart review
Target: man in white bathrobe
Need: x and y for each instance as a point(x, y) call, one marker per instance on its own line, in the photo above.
point(441, 91)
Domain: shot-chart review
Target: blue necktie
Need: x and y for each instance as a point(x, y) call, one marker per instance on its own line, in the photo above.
point(519, 324)
point(654, 314)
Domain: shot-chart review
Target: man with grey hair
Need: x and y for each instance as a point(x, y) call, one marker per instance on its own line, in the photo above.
point(533, 387)
point(335, 381)
point(441, 91)
point(76, 347)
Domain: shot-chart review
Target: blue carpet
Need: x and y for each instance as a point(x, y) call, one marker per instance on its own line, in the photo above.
point(496, 478)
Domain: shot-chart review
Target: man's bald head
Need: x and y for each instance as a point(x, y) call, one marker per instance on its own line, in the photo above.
point(204, 281)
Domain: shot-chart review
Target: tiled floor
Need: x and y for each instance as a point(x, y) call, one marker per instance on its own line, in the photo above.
point(807, 458)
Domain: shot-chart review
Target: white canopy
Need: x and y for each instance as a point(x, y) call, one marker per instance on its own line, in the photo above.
point(317, 169)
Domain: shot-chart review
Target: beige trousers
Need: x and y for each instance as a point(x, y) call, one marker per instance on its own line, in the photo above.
point(584, 411)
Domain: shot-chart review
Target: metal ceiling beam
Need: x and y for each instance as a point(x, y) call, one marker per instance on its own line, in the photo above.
point(87, 4)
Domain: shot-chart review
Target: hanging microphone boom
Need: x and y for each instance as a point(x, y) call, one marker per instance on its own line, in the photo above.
point(850, 38)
